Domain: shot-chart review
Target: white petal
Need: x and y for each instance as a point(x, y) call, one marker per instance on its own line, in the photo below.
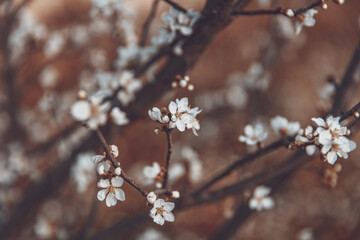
point(172, 107)
point(319, 121)
point(268, 203)
point(310, 150)
point(249, 130)
point(117, 181)
point(253, 203)
point(261, 191)
point(159, 220)
point(81, 110)
point(168, 216)
point(331, 157)
point(103, 183)
point(159, 203)
point(180, 125)
point(115, 150)
point(120, 195)
point(169, 206)
point(111, 200)
point(102, 194)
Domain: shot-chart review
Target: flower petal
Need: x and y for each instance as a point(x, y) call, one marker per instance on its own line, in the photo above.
point(119, 194)
point(102, 194)
point(117, 181)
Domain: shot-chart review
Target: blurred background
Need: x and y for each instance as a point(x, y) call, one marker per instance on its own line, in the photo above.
point(253, 70)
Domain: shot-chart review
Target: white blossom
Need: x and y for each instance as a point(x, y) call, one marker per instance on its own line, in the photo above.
point(43, 228)
point(103, 167)
point(111, 191)
point(161, 212)
point(282, 126)
point(83, 172)
point(177, 21)
point(93, 112)
point(332, 137)
point(151, 173)
point(307, 19)
point(119, 117)
point(253, 135)
point(182, 116)
point(118, 171)
point(260, 199)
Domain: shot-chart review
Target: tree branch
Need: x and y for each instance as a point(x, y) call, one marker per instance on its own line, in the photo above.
point(168, 158)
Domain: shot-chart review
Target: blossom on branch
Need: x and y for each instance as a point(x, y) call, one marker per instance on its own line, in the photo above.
point(261, 199)
point(161, 212)
point(306, 19)
point(282, 126)
point(253, 134)
point(111, 191)
point(93, 112)
point(180, 115)
point(333, 140)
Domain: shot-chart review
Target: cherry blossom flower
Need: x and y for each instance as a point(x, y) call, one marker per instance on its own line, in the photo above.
point(161, 212)
point(260, 199)
point(307, 19)
point(177, 21)
point(253, 135)
point(331, 136)
point(182, 116)
point(111, 191)
point(282, 126)
point(93, 112)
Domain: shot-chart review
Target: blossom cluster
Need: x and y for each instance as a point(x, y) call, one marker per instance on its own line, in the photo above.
point(179, 115)
point(330, 137)
point(111, 181)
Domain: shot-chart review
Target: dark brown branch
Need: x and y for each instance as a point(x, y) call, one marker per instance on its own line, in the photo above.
point(116, 164)
point(238, 163)
point(258, 12)
point(148, 22)
point(176, 6)
point(168, 158)
point(276, 11)
point(346, 83)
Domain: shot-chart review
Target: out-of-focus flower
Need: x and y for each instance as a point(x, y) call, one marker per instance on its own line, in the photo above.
point(152, 174)
point(306, 19)
point(282, 126)
point(253, 135)
point(93, 112)
point(119, 117)
point(177, 21)
point(83, 172)
point(261, 199)
point(161, 212)
point(111, 191)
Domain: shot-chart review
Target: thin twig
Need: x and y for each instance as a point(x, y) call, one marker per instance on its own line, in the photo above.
point(238, 163)
point(176, 6)
point(168, 158)
point(346, 83)
point(148, 22)
point(278, 10)
point(116, 164)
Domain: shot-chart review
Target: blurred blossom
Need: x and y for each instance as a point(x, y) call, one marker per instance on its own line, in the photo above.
point(261, 199)
point(83, 172)
point(283, 127)
point(306, 19)
point(253, 134)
